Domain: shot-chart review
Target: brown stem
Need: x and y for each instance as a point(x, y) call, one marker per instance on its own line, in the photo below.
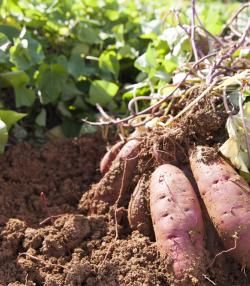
point(235, 15)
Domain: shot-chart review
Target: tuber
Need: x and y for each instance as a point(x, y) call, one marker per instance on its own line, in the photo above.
point(227, 198)
point(177, 220)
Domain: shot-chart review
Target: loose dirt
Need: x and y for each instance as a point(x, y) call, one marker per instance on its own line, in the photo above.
point(72, 248)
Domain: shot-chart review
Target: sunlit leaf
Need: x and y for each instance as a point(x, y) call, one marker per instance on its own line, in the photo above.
point(10, 117)
point(108, 62)
point(148, 61)
point(112, 15)
point(26, 52)
point(102, 92)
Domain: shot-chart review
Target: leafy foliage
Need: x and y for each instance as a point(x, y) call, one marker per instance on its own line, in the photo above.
point(59, 58)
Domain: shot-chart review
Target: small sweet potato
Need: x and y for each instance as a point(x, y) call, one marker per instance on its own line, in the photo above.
point(138, 210)
point(177, 220)
point(130, 150)
point(227, 198)
point(110, 156)
point(120, 175)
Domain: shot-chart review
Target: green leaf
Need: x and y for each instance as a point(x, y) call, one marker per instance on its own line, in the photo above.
point(112, 15)
point(15, 78)
point(10, 117)
point(79, 103)
point(70, 91)
point(148, 61)
point(26, 53)
point(51, 80)
point(173, 36)
point(151, 29)
point(3, 136)
point(19, 80)
point(127, 52)
point(4, 44)
point(41, 118)
point(169, 65)
point(76, 64)
point(4, 58)
point(108, 62)
point(102, 92)
point(86, 34)
point(10, 31)
point(24, 96)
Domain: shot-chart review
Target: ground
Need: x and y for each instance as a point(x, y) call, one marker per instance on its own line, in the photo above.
point(71, 248)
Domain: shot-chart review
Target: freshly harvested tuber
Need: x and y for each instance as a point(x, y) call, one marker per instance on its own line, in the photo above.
point(227, 198)
point(118, 179)
point(177, 220)
point(110, 156)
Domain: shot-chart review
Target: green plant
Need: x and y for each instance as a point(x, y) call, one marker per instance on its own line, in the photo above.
point(59, 58)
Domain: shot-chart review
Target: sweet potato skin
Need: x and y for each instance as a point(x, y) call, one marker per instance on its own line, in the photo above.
point(227, 198)
point(130, 150)
point(110, 156)
point(177, 219)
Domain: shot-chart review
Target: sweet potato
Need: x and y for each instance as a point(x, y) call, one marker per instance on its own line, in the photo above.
point(130, 150)
point(138, 210)
point(110, 156)
point(177, 220)
point(227, 198)
point(120, 175)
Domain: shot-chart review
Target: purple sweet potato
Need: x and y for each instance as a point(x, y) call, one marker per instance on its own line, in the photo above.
point(177, 220)
point(227, 198)
point(110, 156)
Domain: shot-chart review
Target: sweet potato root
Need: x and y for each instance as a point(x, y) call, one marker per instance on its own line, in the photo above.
point(227, 199)
point(110, 156)
point(177, 219)
point(138, 210)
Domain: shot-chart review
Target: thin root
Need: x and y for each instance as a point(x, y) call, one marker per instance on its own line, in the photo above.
point(235, 236)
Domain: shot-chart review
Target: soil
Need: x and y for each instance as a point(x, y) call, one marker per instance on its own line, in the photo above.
point(46, 238)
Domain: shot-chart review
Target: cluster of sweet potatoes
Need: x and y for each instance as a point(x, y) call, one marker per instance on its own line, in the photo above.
point(174, 203)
